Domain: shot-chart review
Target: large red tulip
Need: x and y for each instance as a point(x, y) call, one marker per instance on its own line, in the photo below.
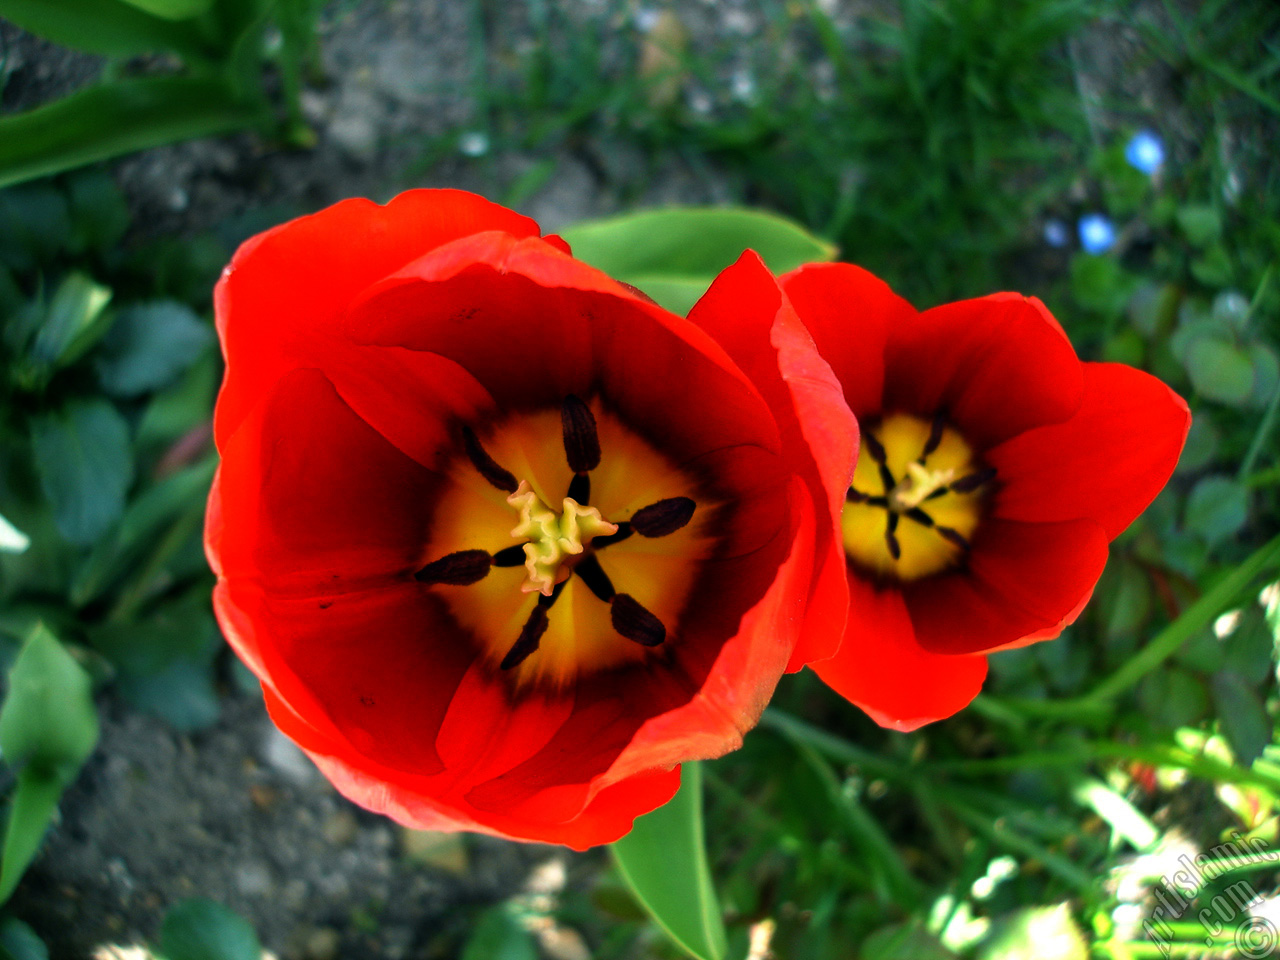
point(504, 541)
point(994, 471)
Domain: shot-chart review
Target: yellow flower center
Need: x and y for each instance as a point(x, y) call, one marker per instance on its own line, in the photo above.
point(600, 583)
point(916, 498)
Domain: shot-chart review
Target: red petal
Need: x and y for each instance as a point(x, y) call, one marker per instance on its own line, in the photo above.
point(279, 302)
point(1023, 578)
point(882, 669)
point(746, 313)
point(1107, 462)
point(850, 314)
point(997, 366)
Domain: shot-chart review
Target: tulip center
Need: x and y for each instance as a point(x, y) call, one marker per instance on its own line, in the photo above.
point(916, 499)
point(598, 583)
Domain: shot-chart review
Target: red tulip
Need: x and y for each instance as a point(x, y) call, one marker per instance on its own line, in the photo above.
point(995, 468)
point(504, 541)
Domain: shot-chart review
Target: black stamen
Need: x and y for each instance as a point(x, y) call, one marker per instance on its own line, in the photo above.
point(935, 437)
point(530, 635)
point(596, 579)
point(635, 622)
point(545, 601)
point(974, 480)
point(485, 465)
point(891, 538)
point(624, 531)
point(581, 443)
point(920, 517)
point(580, 488)
point(954, 536)
point(886, 478)
point(874, 447)
point(510, 556)
point(663, 517)
point(458, 569)
point(857, 496)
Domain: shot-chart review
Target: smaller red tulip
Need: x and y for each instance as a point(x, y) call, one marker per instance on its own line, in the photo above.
point(995, 469)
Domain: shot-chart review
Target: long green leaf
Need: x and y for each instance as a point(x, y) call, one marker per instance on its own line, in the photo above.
point(34, 800)
point(172, 9)
point(664, 861)
point(102, 26)
point(115, 118)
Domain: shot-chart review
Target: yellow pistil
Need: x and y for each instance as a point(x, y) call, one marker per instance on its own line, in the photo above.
point(552, 537)
point(916, 499)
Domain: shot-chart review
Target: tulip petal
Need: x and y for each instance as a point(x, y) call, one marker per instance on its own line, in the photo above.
point(1107, 462)
point(997, 366)
point(746, 313)
point(883, 670)
point(280, 301)
point(850, 314)
point(1022, 578)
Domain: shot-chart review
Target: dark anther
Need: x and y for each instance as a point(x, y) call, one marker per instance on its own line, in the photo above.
point(663, 517)
point(510, 556)
point(886, 478)
point(954, 536)
point(530, 634)
point(874, 447)
point(920, 517)
point(580, 488)
point(581, 444)
point(485, 464)
point(457, 569)
point(635, 622)
point(624, 531)
point(857, 496)
point(973, 481)
point(596, 579)
point(545, 601)
point(891, 537)
point(935, 437)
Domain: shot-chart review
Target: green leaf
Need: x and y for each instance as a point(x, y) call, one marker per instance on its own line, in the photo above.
point(35, 226)
point(117, 117)
point(1244, 719)
point(1266, 374)
point(34, 801)
point(1217, 508)
point(1045, 933)
point(19, 942)
point(172, 9)
point(85, 466)
point(1201, 224)
point(1122, 816)
point(204, 930)
point(664, 861)
point(48, 722)
point(102, 26)
point(12, 540)
point(677, 294)
point(904, 941)
point(73, 321)
point(99, 213)
point(499, 935)
point(688, 246)
point(1219, 370)
point(149, 345)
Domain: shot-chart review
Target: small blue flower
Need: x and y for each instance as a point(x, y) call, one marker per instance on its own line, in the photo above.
point(1055, 233)
point(1096, 233)
point(1145, 152)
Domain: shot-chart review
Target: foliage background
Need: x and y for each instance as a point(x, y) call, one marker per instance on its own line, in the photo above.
point(951, 146)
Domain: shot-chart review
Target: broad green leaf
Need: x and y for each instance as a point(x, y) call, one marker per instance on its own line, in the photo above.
point(664, 861)
point(1217, 507)
point(73, 321)
point(1173, 697)
point(1266, 373)
point(85, 466)
point(690, 245)
point(677, 294)
point(204, 930)
point(1202, 224)
point(172, 9)
point(35, 798)
point(117, 117)
point(499, 935)
point(149, 345)
point(1045, 933)
point(19, 942)
point(48, 723)
point(102, 26)
point(1220, 370)
point(904, 941)
point(1244, 719)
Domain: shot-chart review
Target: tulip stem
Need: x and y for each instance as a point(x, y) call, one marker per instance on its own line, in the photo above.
point(1164, 644)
